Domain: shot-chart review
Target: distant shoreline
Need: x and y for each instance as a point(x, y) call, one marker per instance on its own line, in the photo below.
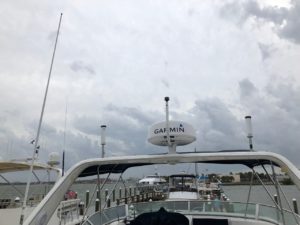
point(94, 181)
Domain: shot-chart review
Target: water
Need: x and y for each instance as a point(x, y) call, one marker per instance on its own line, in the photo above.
point(258, 194)
point(36, 190)
point(236, 193)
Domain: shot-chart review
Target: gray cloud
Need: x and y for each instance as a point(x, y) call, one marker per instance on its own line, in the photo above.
point(266, 50)
point(291, 29)
point(233, 11)
point(78, 146)
point(80, 66)
point(52, 36)
point(243, 10)
point(136, 114)
point(87, 124)
point(287, 95)
point(271, 13)
point(165, 83)
point(287, 20)
point(125, 116)
point(217, 126)
point(246, 88)
point(126, 129)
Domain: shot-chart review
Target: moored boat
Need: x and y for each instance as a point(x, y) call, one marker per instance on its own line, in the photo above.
point(11, 200)
point(183, 186)
point(152, 180)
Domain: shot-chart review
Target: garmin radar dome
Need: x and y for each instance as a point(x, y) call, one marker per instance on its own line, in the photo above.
point(181, 133)
point(171, 133)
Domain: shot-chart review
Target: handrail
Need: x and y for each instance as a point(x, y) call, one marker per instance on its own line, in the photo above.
point(260, 212)
point(108, 215)
point(68, 210)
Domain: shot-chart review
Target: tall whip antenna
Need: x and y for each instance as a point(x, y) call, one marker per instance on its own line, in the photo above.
point(36, 148)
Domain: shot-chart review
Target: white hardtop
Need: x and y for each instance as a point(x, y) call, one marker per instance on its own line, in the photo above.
point(7, 166)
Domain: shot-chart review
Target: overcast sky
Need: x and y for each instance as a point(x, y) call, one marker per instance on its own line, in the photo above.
point(116, 60)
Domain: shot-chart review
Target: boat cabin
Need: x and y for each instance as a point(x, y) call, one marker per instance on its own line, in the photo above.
point(183, 186)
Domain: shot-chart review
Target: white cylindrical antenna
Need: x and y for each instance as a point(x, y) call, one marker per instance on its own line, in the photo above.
point(103, 139)
point(249, 131)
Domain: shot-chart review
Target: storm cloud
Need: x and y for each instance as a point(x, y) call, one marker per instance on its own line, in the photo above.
point(286, 19)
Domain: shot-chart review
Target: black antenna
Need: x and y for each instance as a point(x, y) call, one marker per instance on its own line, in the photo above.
point(64, 146)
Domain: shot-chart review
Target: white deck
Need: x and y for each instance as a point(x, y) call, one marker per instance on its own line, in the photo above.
point(11, 216)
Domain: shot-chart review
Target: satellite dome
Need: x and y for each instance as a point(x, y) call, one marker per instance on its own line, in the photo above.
point(53, 159)
point(181, 133)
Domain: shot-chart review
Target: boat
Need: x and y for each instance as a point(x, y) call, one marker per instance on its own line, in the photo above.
point(138, 210)
point(183, 186)
point(12, 199)
point(152, 180)
point(152, 183)
point(209, 190)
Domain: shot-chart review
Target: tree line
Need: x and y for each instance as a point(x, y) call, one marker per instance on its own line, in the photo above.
point(245, 177)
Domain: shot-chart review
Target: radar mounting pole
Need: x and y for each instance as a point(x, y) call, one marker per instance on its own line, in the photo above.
point(103, 140)
point(249, 131)
point(171, 146)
